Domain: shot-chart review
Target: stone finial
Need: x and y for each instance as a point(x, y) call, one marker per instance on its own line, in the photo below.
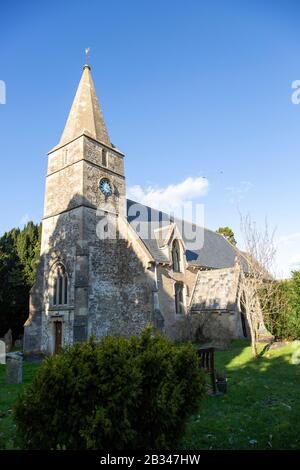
point(87, 57)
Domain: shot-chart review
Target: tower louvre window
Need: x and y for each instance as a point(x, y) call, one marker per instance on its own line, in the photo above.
point(60, 287)
point(104, 157)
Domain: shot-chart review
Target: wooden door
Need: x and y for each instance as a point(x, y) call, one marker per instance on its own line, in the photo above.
point(57, 336)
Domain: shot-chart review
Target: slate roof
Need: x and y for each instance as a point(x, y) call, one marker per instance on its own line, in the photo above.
point(210, 250)
point(216, 290)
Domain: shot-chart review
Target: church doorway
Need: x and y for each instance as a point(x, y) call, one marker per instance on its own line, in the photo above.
point(57, 336)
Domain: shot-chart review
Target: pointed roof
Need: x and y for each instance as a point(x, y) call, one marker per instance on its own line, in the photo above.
point(85, 116)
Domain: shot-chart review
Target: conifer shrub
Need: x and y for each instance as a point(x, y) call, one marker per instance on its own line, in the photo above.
point(117, 394)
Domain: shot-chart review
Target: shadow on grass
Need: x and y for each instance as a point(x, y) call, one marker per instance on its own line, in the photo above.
point(261, 409)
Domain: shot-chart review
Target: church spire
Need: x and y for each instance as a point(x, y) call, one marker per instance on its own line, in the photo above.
point(85, 116)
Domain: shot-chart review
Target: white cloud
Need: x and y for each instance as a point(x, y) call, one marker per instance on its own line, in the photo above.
point(171, 198)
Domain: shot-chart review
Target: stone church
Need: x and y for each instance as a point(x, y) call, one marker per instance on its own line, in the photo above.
point(110, 266)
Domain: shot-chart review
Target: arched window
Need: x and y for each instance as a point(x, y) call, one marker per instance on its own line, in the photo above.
point(179, 298)
point(176, 262)
point(60, 286)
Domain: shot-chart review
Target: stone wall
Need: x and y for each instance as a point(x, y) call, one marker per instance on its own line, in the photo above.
point(93, 152)
point(120, 283)
point(110, 286)
point(212, 304)
point(61, 157)
point(176, 325)
point(92, 176)
point(214, 309)
point(216, 326)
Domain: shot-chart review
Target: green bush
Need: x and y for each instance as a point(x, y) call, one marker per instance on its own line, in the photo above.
point(114, 394)
point(275, 304)
point(282, 308)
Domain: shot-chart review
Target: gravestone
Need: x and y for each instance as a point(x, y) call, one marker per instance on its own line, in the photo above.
point(2, 352)
point(18, 344)
point(8, 340)
point(14, 366)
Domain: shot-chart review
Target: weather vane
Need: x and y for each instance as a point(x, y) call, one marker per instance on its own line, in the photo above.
point(87, 55)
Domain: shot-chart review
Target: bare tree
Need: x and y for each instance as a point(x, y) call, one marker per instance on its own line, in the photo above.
point(257, 264)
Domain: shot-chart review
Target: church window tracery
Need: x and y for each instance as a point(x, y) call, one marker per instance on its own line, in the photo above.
point(60, 286)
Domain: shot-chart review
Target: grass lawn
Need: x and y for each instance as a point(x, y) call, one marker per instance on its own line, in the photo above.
point(8, 394)
point(260, 411)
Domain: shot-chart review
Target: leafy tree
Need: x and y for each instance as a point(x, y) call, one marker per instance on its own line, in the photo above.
point(19, 252)
point(275, 303)
point(294, 310)
point(227, 233)
point(28, 249)
point(282, 309)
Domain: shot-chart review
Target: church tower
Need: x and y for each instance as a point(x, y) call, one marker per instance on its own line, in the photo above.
point(93, 276)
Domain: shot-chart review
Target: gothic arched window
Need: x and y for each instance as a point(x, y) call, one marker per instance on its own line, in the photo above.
point(176, 262)
point(60, 286)
point(179, 298)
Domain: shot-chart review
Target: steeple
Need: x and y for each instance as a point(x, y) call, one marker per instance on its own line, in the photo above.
point(85, 116)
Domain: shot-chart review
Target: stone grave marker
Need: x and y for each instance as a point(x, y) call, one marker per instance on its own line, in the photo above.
point(14, 368)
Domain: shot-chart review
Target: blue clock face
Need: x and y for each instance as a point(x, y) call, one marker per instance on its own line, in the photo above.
point(105, 187)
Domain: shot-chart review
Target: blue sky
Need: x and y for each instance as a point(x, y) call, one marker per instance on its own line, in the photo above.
point(188, 89)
